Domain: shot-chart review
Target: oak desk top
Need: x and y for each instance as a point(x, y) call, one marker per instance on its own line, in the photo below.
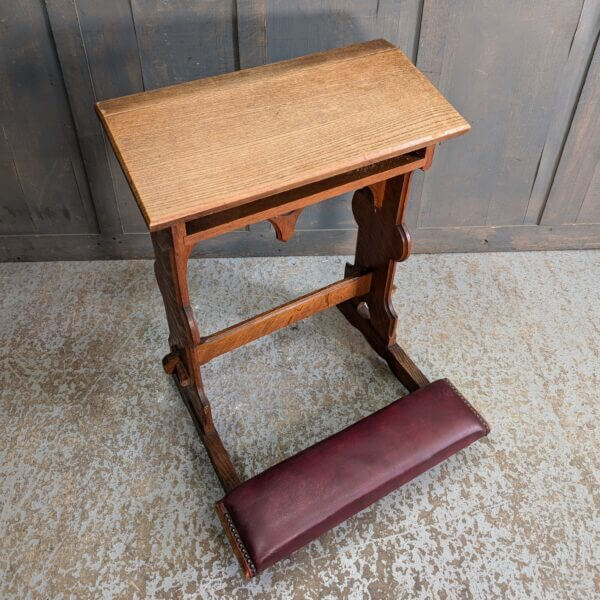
point(200, 147)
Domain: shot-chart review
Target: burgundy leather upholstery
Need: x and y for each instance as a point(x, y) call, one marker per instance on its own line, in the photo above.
point(283, 508)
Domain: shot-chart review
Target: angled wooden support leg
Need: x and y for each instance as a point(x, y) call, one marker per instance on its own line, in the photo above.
point(382, 240)
point(170, 268)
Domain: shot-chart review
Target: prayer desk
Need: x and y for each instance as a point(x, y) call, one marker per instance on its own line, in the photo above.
point(214, 155)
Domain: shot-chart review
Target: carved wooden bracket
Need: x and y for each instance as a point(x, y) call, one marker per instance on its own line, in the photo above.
point(285, 224)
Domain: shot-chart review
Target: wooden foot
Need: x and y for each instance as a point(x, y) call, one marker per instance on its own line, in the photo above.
point(219, 457)
point(401, 365)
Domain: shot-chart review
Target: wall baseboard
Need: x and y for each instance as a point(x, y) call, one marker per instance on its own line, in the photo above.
point(303, 243)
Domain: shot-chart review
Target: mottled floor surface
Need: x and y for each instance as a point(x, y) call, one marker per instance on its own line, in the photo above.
point(106, 491)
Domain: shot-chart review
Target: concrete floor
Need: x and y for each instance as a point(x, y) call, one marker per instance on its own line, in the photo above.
point(106, 491)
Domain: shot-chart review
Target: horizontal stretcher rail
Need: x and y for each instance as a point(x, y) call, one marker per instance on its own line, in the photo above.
point(281, 316)
point(234, 218)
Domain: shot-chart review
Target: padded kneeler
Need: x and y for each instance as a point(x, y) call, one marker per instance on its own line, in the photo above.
point(283, 508)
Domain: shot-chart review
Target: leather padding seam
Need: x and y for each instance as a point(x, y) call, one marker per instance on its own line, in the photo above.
point(483, 422)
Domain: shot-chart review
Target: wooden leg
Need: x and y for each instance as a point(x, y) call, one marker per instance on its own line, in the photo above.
point(382, 240)
point(170, 268)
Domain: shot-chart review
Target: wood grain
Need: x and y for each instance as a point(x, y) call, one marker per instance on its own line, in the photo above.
point(231, 219)
point(282, 316)
point(207, 145)
point(273, 30)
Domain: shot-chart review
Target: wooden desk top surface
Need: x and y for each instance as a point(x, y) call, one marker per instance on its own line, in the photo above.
point(199, 147)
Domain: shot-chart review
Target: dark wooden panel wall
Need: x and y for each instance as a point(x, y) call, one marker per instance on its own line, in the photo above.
point(525, 74)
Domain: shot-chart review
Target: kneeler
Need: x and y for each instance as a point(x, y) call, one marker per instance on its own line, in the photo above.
point(215, 155)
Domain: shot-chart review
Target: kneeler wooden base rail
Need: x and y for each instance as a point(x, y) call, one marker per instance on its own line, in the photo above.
point(214, 155)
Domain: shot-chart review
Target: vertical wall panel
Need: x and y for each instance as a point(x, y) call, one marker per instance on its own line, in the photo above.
point(109, 37)
point(521, 72)
point(574, 195)
point(66, 32)
point(572, 79)
point(182, 40)
point(251, 18)
point(41, 163)
point(298, 27)
point(14, 213)
point(498, 63)
point(590, 208)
